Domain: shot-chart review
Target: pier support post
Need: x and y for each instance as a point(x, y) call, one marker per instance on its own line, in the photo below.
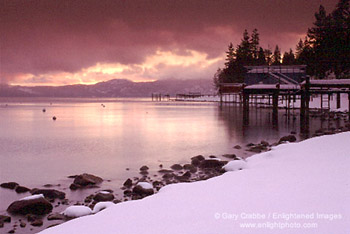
point(245, 108)
point(349, 105)
point(338, 101)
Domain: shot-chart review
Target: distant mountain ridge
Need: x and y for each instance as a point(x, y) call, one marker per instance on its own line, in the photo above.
point(111, 88)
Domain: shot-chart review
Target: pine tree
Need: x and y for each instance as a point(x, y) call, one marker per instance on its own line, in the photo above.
point(254, 41)
point(230, 55)
point(244, 52)
point(276, 57)
point(261, 60)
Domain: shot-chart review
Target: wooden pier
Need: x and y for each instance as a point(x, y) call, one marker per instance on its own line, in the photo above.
point(271, 94)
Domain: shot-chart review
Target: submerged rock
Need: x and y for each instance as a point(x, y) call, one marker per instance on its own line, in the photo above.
point(231, 156)
point(176, 167)
point(56, 216)
point(37, 223)
point(85, 180)
point(21, 189)
point(49, 193)
point(9, 185)
point(31, 205)
point(5, 219)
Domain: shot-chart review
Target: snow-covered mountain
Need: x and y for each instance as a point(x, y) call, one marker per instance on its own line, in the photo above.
point(112, 88)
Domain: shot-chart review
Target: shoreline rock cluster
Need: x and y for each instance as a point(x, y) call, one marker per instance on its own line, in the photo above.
point(41, 204)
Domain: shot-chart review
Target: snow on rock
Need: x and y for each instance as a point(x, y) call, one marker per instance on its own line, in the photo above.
point(32, 197)
point(101, 206)
point(294, 188)
point(235, 165)
point(77, 211)
point(145, 185)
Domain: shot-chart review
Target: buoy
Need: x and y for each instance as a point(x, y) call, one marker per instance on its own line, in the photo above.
point(54, 118)
point(44, 110)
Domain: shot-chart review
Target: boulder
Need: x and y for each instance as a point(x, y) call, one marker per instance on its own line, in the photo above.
point(143, 189)
point(56, 216)
point(128, 183)
point(5, 219)
point(290, 138)
point(190, 167)
point(21, 189)
point(144, 168)
point(85, 180)
point(103, 196)
point(237, 147)
point(49, 193)
point(176, 167)
point(231, 156)
point(37, 223)
point(9, 185)
point(36, 204)
point(198, 157)
point(212, 163)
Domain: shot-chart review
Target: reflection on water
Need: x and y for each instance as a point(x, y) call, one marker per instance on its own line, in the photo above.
point(126, 133)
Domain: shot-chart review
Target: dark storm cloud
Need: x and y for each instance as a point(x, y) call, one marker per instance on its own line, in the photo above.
point(52, 36)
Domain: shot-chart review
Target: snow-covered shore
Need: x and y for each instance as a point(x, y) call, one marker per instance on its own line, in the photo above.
point(295, 188)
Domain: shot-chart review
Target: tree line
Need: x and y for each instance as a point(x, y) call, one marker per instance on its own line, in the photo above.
point(325, 49)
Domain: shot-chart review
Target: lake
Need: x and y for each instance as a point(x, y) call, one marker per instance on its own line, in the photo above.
point(113, 138)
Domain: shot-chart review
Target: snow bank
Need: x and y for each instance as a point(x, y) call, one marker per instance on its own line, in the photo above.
point(32, 197)
point(77, 211)
point(294, 188)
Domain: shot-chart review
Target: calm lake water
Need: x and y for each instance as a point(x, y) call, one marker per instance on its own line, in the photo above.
point(126, 133)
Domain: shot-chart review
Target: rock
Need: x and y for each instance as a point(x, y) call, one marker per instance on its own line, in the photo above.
point(165, 171)
point(9, 185)
point(128, 183)
point(168, 176)
point(31, 218)
point(250, 144)
point(37, 223)
point(264, 143)
point(85, 180)
point(21, 189)
point(187, 174)
point(1, 224)
point(212, 163)
point(22, 224)
point(37, 205)
point(257, 148)
point(144, 168)
point(231, 156)
point(198, 157)
point(101, 196)
point(237, 147)
point(143, 189)
point(176, 167)
point(190, 167)
point(127, 193)
point(12, 231)
point(56, 216)
point(290, 138)
point(49, 193)
point(5, 219)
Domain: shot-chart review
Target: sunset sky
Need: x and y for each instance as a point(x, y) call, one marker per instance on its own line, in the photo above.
point(82, 41)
